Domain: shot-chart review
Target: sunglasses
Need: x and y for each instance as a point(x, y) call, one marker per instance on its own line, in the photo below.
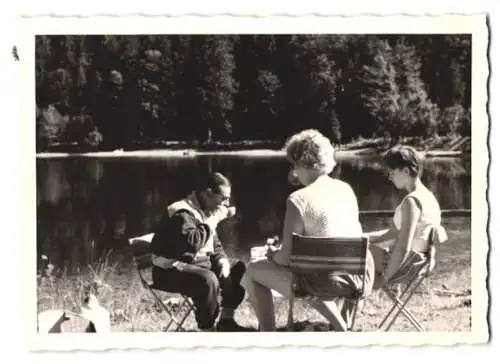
point(223, 199)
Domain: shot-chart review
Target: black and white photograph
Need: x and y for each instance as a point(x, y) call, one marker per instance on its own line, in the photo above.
point(264, 183)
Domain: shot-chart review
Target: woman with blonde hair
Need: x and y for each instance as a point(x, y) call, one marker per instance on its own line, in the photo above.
point(323, 207)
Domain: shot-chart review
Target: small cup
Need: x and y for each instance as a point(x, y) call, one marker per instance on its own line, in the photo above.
point(231, 211)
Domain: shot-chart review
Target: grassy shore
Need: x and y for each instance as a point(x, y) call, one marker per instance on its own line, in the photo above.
point(443, 303)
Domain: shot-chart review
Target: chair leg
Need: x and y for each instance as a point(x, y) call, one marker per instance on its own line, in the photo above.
point(400, 305)
point(190, 307)
point(352, 315)
point(291, 302)
point(407, 314)
point(173, 319)
point(401, 309)
point(389, 313)
point(386, 291)
point(289, 324)
point(187, 302)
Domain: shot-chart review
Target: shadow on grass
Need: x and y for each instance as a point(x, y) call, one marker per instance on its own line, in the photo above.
point(307, 325)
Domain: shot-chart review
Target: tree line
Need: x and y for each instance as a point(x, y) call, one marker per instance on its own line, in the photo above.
point(117, 91)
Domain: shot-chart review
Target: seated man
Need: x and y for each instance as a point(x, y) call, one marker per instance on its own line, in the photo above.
point(188, 257)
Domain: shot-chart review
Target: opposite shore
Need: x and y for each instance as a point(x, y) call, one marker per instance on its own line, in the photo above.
point(433, 147)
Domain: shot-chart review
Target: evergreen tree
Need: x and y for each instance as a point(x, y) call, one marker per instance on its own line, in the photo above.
point(417, 112)
point(380, 91)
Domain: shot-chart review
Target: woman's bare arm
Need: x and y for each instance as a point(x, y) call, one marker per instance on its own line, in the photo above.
point(292, 224)
point(410, 212)
point(381, 236)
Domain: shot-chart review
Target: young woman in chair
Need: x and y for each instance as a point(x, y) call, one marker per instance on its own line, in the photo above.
point(323, 207)
point(406, 242)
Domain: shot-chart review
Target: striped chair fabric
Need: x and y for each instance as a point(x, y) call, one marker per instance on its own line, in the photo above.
point(417, 264)
point(336, 254)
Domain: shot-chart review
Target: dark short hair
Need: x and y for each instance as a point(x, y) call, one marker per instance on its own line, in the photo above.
point(213, 181)
point(402, 156)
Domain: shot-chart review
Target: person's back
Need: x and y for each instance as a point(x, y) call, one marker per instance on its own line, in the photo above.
point(324, 207)
point(329, 208)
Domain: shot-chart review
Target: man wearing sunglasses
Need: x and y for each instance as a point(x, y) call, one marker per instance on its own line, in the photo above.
point(189, 258)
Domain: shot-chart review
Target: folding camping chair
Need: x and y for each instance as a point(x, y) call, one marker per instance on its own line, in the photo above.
point(335, 255)
point(410, 278)
point(142, 257)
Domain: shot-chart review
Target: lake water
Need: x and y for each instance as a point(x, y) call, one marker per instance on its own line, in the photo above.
point(86, 206)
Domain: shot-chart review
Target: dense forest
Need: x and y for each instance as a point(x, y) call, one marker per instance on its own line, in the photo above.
point(112, 91)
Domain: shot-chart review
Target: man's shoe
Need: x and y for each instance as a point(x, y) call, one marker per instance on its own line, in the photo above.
point(228, 324)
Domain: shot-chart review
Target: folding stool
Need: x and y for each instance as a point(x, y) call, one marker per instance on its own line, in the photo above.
point(410, 278)
point(142, 258)
point(335, 255)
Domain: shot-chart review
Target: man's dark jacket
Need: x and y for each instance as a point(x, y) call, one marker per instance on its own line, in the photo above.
point(181, 236)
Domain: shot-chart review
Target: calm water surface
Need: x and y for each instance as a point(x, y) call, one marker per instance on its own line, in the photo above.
point(86, 206)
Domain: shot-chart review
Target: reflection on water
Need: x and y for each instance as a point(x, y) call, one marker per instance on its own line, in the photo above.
point(85, 206)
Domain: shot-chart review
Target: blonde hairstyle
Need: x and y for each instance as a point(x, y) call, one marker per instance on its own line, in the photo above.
point(311, 149)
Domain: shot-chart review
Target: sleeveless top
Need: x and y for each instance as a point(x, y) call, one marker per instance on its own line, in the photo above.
point(430, 216)
point(328, 208)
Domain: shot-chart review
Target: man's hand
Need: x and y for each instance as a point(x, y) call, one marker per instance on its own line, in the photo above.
point(231, 211)
point(225, 267)
point(221, 213)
